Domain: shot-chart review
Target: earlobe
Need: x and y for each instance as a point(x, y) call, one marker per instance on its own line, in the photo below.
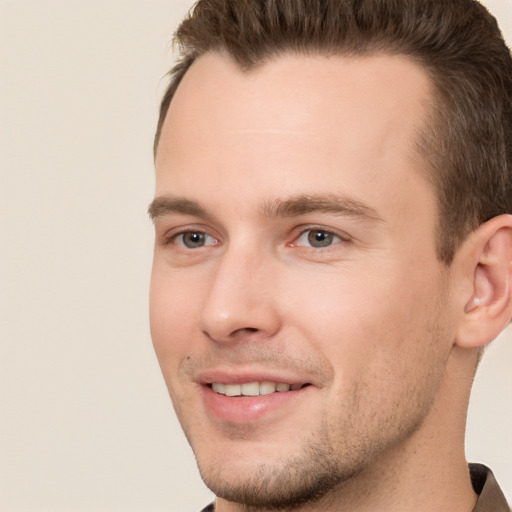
point(488, 307)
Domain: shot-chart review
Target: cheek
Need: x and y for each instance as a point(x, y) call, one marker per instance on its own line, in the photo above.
point(171, 332)
point(371, 322)
point(171, 319)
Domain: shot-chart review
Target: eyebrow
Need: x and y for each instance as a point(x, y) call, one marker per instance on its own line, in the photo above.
point(166, 205)
point(325, 203)
point(294, 207)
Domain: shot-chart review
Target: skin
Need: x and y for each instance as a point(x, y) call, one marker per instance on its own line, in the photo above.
point(371, 321)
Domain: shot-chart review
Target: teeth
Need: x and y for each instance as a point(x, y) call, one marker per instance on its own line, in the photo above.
point(250, 389)
point(253, 388)
point(233, 389)
point(267, 388)
point(219, 388)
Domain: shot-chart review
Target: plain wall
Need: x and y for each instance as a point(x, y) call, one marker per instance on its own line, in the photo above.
point(85, 421)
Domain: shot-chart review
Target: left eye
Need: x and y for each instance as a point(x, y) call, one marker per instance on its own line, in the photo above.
point(194, 239)
point(317, 238)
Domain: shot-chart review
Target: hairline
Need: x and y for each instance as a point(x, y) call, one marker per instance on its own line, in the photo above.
point(181, 68)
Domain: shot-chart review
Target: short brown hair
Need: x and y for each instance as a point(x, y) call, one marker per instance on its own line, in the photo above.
point(467, 139)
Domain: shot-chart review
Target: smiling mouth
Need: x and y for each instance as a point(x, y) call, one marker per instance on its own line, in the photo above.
point(254, 388)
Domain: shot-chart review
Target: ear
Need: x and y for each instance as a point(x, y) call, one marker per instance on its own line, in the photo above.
point(486, 260)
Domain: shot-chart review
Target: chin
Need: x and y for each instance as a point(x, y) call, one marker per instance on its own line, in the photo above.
point(275, 481)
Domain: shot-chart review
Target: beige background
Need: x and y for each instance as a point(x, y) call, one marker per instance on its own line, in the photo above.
point(85, 422)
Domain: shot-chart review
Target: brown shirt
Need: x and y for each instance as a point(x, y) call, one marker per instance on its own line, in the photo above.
point(490, 497)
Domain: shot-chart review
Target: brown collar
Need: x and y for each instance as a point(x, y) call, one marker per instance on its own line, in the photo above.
point(491, 498)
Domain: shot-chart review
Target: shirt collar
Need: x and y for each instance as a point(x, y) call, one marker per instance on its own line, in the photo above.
point(490, 496)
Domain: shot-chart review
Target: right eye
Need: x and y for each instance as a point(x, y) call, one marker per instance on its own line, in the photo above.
point(194, 239)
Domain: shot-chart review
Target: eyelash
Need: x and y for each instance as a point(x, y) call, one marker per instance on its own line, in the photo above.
point(174, 235)
point(330, 235)
point(202, 234)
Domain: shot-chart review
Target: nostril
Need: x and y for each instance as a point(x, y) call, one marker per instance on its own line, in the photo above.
point(246, 330)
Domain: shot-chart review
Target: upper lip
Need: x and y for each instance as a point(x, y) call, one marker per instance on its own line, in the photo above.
point(206, 377)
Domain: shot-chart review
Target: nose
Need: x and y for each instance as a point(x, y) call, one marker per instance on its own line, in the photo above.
point(241, 301)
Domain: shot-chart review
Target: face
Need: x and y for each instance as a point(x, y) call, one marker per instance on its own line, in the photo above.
point(298, 309)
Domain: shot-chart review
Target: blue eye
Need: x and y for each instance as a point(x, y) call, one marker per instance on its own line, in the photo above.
point(317, 238)
point(195, 239)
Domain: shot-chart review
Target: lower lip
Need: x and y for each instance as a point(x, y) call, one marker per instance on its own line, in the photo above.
point(246, 409)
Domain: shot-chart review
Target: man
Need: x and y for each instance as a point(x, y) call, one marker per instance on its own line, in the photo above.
point(333, 248)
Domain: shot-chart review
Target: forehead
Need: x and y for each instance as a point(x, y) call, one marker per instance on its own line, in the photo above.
point(298, 90)
point(309, 122)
